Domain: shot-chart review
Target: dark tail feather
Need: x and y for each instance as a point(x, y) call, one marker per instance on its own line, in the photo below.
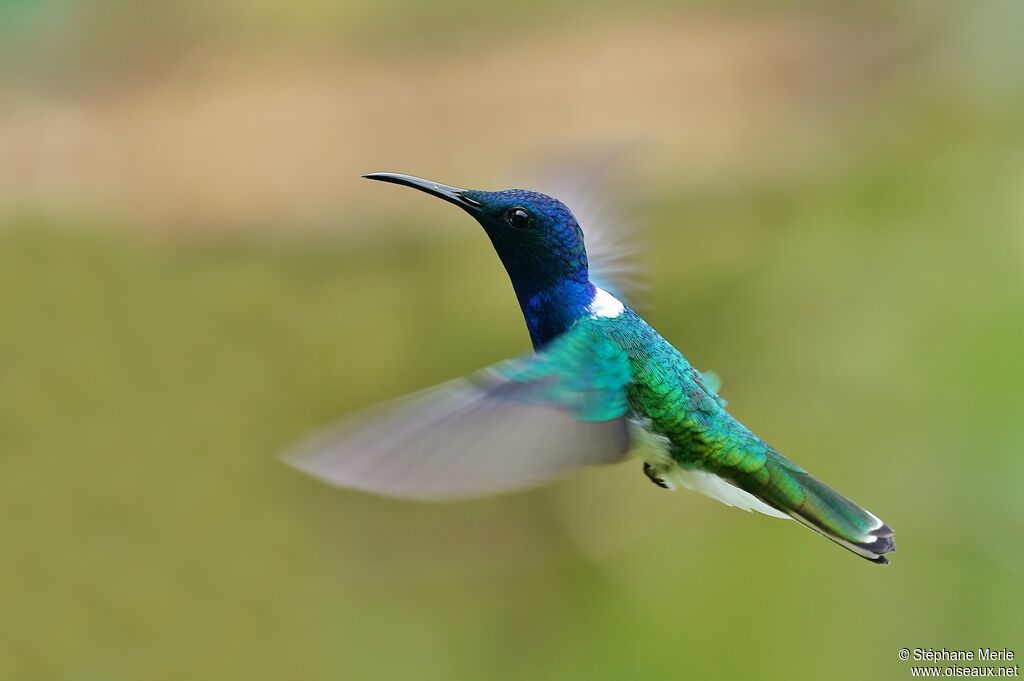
point(793, 491)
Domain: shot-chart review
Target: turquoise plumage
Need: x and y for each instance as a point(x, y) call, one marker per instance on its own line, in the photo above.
point(602, 383)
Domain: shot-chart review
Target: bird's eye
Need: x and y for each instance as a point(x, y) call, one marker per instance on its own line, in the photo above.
point(518, 218)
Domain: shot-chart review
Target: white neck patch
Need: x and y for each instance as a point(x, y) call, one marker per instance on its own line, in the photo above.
point(605, 304)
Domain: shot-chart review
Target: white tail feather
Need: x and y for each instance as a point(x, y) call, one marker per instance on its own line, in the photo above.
point(715, 487)
point(653, 448)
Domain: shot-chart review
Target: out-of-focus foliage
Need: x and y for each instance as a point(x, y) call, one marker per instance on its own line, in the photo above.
point(855, 279)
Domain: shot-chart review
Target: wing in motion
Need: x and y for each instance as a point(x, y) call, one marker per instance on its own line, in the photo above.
point(593, 188)
point(518, 423)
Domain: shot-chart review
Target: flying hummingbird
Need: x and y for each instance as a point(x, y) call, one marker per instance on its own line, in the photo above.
point(601, 384)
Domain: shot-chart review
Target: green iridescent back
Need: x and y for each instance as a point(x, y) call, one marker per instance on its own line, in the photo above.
point(674, 402)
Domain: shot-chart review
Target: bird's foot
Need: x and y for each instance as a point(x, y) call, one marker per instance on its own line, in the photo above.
point(652, 473)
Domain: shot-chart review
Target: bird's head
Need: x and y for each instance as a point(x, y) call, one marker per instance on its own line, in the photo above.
point(536, 236)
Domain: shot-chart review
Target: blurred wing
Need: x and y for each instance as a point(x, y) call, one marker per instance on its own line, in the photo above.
point(609, 224)
point(516, 424)
point(713, 382)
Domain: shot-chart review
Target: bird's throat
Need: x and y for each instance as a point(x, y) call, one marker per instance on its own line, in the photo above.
point(551, 311)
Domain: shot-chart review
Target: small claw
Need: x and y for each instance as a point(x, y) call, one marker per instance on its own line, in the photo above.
point(653, 475)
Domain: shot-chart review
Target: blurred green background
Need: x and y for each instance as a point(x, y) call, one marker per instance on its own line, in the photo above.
point(192, 276)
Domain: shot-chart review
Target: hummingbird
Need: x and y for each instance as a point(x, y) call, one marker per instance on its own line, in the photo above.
point(601, 385)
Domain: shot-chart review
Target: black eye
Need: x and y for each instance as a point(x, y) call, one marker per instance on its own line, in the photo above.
point(518, 218)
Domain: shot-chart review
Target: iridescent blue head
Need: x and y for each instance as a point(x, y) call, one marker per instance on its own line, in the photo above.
point(539, 243)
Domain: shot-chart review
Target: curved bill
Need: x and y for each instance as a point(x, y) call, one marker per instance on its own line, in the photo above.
point(441, 191)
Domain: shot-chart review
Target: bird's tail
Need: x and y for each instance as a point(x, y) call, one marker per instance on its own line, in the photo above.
point(795, 492)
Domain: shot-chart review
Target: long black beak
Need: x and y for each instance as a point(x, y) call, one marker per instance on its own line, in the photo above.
point(441, 191)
